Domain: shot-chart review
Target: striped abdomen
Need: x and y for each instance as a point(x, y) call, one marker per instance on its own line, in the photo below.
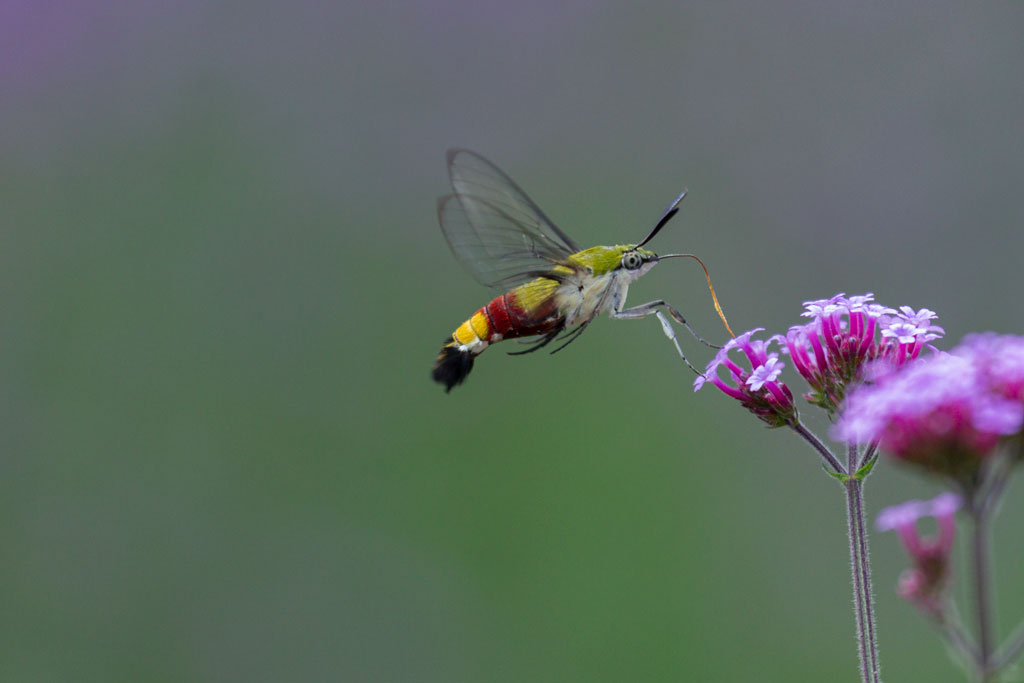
point(527, 310)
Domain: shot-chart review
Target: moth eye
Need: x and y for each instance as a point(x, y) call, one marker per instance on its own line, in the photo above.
point(631, 260)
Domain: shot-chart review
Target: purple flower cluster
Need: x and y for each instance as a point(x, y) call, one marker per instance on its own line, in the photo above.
point(946, 413)
point(999, 359)
point(844, 334)
point(924, 584)
point(758, 389)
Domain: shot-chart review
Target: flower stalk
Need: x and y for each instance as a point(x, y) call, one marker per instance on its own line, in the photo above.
point(861, 617)
point(861, 566)
point(982, 589)
point(1010, 651)
point(819, 446)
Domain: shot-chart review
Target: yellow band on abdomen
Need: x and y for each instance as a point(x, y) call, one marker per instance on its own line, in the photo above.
point(475, 330)
point(464, 334)
point(480, 325)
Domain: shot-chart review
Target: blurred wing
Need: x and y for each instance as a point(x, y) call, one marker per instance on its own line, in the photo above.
point(498, 234)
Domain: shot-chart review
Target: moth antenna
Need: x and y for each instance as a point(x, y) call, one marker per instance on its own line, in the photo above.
point(671, 211)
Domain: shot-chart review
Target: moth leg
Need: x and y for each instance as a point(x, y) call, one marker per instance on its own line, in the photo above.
point(538, 343)
point(652, 308)
point(573, 334)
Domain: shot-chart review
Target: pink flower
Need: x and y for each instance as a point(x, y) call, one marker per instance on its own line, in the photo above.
point(924, 585)
point(1000, 358)
point(847, 333)
point(758, 389)
point(945, 413)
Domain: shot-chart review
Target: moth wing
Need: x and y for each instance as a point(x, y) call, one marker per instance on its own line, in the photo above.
point(495, 231)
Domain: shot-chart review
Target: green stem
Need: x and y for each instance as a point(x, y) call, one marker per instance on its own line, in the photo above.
point(982, 588)
point(1010, 651)
point(868, 453)
point(866, 586)
point(959, 641)
point(860, 567)
point(983, 502)
point(822, 449)
point(858, 589)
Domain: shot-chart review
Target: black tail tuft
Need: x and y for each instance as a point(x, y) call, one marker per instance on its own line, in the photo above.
point(452, 366)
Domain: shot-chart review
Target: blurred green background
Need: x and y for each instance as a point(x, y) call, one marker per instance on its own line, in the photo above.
point(224, 286)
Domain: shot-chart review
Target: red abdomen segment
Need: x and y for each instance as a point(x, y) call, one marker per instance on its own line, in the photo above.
point(505, 316)
point(525, 311)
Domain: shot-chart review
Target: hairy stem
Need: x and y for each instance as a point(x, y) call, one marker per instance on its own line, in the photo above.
point(982, 588)
point(868, 453)
point(860, 567)
point(858, 588)
point(817, 445)
point(857, 486)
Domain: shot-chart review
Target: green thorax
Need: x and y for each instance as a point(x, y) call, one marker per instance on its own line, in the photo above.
point(603, 260)
point(596, 263)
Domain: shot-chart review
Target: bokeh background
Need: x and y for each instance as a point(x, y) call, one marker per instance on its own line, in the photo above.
point(223, 287)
